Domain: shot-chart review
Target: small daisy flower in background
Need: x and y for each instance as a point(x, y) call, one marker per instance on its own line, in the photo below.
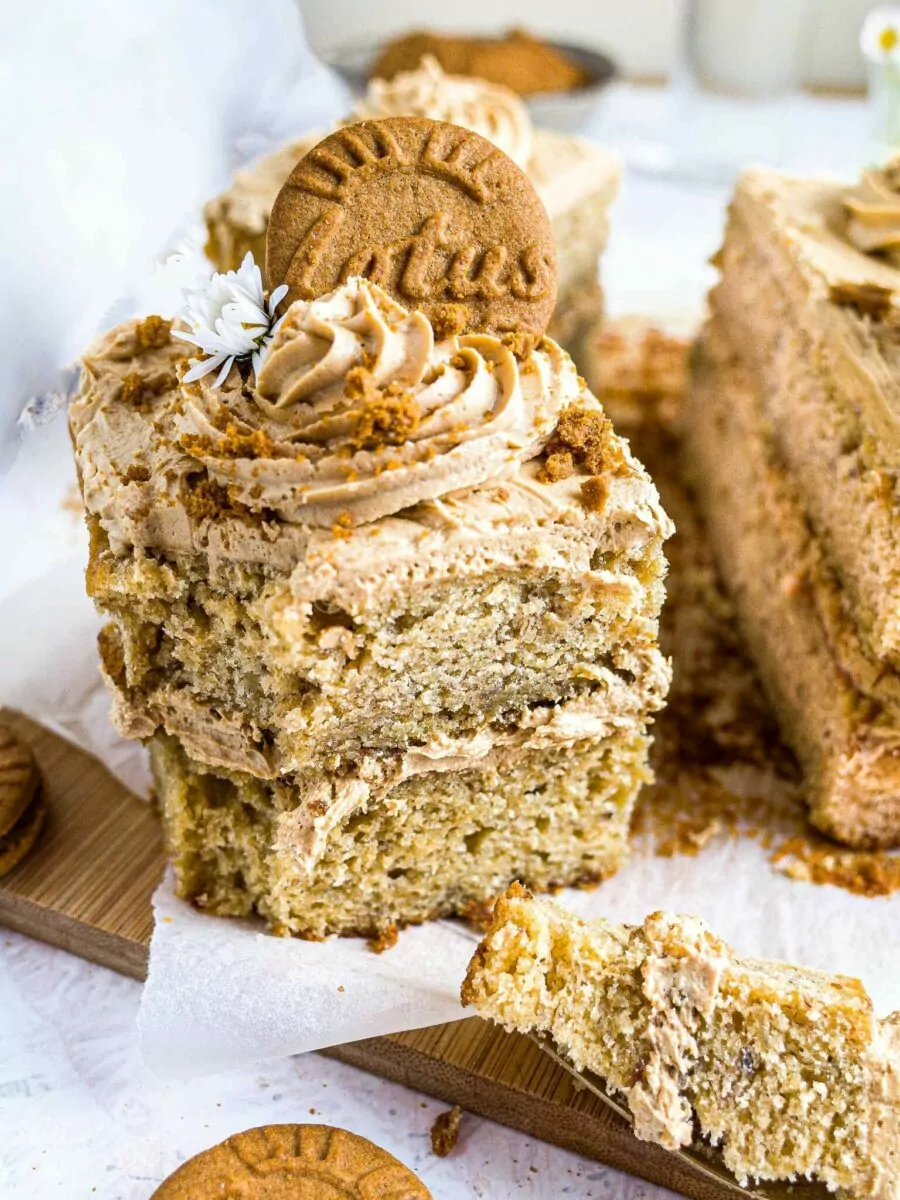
point(879, 41)
point(879, 38)
point(230, 319)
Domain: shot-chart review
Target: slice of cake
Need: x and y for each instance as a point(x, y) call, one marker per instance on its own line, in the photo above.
point(792, 431)
point(383, 596)
point(273, 611)
point(576, 180)
point(785, 1070)
point(361, 717)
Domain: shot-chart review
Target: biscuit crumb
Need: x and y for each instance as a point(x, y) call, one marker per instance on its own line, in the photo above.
point(556, 466)
point(389, 416)
point(584, 432)
point(520, 342)
point(153, 333)
point(134, 391)
point(448, 320)
point(583, 438)
point(205, 499)
point(595, 493)
point(136, 473)
point(343, 525)
point(445, 1131)
point(386, 939)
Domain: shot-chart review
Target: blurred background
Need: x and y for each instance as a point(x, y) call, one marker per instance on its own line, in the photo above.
point(642, 35)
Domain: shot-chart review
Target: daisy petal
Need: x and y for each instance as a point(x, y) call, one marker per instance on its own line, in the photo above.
point(223, 374)
point(277, 296)
point(199, 369)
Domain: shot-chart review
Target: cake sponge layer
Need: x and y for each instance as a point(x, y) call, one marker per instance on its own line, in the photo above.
point(785, 1069)
point(249, 678)
point(319, 855)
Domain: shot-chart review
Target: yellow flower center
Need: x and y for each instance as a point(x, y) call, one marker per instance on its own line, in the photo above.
point(888, 38)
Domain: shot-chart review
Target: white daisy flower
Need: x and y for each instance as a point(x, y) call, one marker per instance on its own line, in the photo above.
point(879, 38)
point(230, 319)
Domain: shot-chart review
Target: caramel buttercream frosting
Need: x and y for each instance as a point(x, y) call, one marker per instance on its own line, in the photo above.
point(873, 210)
point(199, 469)
point(358, 412)
point(490, 109)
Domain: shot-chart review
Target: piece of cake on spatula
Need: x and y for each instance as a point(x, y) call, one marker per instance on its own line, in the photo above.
point(785, 1070)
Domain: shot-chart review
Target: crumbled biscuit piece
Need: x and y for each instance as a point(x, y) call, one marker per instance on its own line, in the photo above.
point(583, 439)
point(586, 433)
point(385, 940)
point(134, 391)
point(447, 320)
point(153, 333)
point(343, 525)
point(234, 443)
point(389, 415)
point(445, 1131)
point(556, 466)
point(595, 493)
point(520, 342)
point(204, 499)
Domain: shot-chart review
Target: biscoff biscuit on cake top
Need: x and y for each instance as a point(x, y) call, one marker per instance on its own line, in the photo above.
point(576, 180)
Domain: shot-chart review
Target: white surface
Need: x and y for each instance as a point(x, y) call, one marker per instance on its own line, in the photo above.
point(70, 1072)
point(82, 1118)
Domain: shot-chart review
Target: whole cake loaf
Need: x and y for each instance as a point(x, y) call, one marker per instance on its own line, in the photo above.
point(794, 444)
point(383, 600)
point(785, 1070)
point(576, 180)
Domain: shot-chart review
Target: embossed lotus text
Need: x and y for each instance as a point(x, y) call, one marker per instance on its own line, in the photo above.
point(427, 264)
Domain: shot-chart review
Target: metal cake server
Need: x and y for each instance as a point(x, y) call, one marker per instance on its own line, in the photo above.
point(700, 1158)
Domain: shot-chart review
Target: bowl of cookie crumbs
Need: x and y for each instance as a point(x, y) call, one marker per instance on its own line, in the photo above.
point(562, 83)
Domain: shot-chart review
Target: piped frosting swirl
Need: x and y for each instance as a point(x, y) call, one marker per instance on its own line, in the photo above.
point(358, 412)
point(873, 210)
point(487, 108)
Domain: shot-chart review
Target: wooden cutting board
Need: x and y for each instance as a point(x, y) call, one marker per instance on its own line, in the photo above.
point(87, 887)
